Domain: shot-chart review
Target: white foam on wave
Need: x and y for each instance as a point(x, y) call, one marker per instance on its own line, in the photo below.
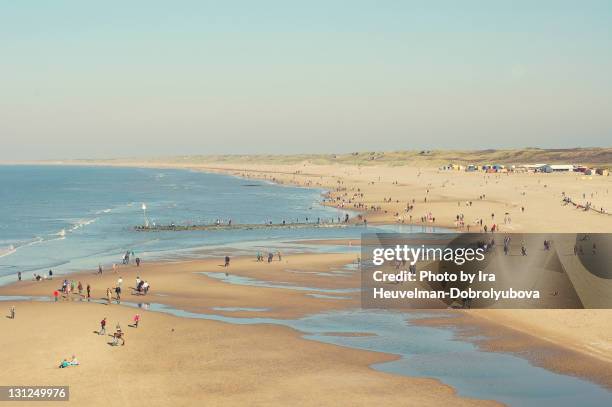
point(7, 251)
point(11, 249)
point(81, 223)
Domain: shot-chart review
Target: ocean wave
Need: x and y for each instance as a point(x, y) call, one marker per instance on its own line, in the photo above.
point(7, 251)
point(12, 248)
point(81, 223)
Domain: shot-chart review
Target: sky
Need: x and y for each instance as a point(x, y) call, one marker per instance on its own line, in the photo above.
point(85, 79)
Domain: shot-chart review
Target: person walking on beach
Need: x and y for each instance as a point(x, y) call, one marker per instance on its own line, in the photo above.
point(120, 281)
point(80, 287)
point(102, 330)
point(118, 294)
point(50, 274)
point(270, 257)
point(88, 293)
point(278, 253)
point(12, 312)
point(19, 276)
point(137, 261)
point(99, 269)
point(55, 295)
point(108, 295)
point(136, 320)
point(227, 261)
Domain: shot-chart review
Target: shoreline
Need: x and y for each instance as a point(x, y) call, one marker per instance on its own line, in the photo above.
point(491, 336)
point(184, 279)
point(237, 301)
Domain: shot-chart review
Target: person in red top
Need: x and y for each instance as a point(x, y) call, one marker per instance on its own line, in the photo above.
point(102, 330)
point(55, 295)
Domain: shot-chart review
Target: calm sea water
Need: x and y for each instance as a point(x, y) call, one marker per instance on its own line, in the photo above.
point(71, 218)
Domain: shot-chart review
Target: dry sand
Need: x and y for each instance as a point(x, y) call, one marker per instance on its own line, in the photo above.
point(177, 361)
point(182, 362)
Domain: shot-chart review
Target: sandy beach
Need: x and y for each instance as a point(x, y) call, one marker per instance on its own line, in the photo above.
point(518, 202)
point(174, 358)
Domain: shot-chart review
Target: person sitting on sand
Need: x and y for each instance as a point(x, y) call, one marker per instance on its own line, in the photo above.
point(74, 361)
point(64, 364)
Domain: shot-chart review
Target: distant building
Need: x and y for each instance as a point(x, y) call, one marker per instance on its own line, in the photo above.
point(556, 168)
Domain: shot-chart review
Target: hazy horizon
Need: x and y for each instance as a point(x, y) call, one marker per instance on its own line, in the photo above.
point(142, 79)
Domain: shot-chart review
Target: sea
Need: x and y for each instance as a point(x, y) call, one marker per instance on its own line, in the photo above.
point(74, 218)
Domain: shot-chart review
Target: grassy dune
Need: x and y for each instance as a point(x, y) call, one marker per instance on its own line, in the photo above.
point(601, 157)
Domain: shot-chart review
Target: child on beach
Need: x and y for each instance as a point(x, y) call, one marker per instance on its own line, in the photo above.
point(136, 320)
point(102, 330)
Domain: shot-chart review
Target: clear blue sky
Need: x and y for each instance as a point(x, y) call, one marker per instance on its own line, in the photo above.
point(124, 78)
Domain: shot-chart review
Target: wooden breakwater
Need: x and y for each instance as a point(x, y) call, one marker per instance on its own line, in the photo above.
point(181, 228)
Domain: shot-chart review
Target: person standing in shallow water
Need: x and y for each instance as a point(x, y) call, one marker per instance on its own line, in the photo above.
point(227, 261)
point(19, 276)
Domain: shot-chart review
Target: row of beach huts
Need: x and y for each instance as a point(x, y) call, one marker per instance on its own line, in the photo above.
point(545, 168)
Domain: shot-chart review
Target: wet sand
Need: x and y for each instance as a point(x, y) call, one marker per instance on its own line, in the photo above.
point(182, 285)
point(184, 362)
point(494, 335)
point(180, 361)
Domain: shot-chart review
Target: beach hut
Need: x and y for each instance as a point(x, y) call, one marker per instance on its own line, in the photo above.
point(562, 167)
point(545, 168)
